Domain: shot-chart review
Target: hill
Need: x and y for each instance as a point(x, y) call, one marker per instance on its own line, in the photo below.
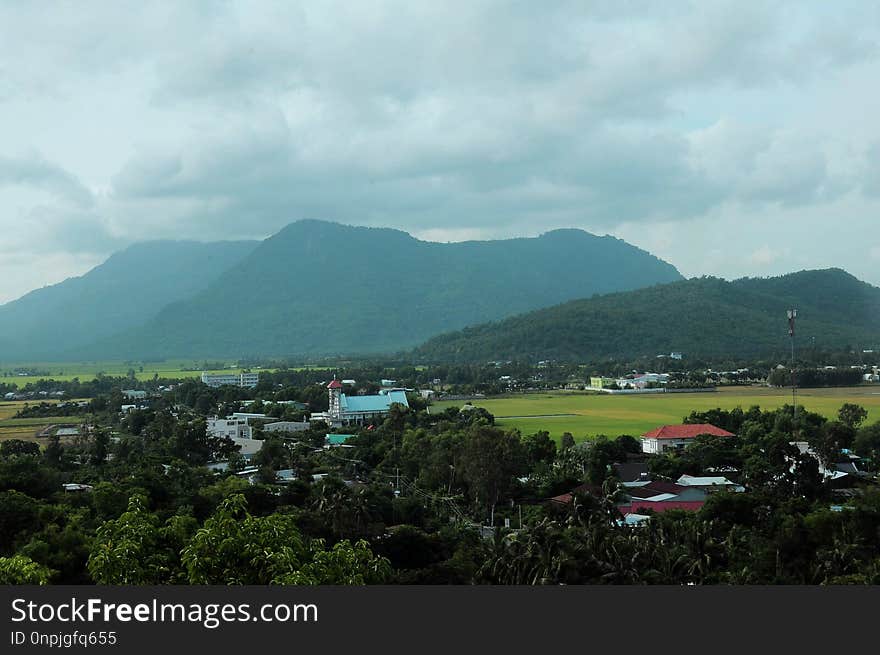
point(125, 291)
point(702, 317)
point(318, 288)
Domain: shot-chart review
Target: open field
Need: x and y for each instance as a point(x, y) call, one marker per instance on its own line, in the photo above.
point(586, 415)
point(26, 428)
point(67, 371)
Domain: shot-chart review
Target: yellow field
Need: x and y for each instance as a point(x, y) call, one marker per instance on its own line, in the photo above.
point(26, 429)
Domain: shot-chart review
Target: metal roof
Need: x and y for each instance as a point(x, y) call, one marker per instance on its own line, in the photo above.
point(379, 403)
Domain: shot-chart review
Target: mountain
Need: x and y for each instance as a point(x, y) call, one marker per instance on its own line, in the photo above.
point(125, 291)
point(700, 317)
point(318, 288)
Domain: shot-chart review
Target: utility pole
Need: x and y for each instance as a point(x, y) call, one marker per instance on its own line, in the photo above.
point(792, 315)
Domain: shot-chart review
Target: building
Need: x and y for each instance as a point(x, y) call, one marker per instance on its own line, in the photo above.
point(640, 496)
point(134, 394)
point(660, 497)
point(229, 427)
point(601, 382)
point(709, 483)
point(642, 380)
point(360, 409)
point(286, 426)
point(245, 380)
point(336, 439)
point(676, 437)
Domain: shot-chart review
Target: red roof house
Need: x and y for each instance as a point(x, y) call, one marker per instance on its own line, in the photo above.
point(675, 437)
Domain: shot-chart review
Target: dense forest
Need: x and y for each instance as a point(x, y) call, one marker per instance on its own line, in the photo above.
point(322, 288)
point(702, 317)
point(422, 497)
point(123, 292)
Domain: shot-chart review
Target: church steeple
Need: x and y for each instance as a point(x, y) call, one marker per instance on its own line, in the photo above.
point(335, 390)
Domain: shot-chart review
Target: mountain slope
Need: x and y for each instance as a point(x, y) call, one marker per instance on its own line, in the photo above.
point(324, 288)
point(125, 291)
point(701, 317)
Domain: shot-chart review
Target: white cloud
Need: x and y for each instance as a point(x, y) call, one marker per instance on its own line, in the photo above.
point(683, 127)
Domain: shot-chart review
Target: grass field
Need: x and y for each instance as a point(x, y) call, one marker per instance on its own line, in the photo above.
point(586, 415)
point(66, 371)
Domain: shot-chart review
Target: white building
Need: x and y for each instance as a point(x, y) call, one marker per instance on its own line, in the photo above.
point(286, 426)
point(232, 428)
point(248, 380)
point(641, 381)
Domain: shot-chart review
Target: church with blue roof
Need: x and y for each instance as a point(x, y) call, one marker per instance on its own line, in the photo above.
point(361, 409)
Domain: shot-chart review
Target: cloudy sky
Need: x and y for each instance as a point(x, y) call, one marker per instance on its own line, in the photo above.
point(730, 138)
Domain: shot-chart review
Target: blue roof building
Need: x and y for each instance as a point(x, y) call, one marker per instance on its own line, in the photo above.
point(361, 409)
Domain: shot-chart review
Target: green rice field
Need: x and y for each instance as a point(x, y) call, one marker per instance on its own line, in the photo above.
point(65, 372)
point(587, 415)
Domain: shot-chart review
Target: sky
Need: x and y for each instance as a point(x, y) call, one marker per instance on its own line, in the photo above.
point(729, 138)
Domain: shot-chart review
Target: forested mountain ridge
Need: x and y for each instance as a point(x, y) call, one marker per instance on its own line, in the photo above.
point(128, 289)
point(701, 317)
point(319, 288)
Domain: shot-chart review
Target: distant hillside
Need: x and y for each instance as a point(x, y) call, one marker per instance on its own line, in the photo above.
point(701, 317)
point(319, 288)
point(125, 291)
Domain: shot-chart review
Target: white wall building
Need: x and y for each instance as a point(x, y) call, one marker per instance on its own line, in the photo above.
point(248, 380)
point(232, 428)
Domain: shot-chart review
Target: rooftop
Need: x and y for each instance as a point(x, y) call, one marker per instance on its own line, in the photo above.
point(686, 431)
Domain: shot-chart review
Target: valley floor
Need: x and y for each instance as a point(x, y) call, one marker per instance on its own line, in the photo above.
point(586, 415)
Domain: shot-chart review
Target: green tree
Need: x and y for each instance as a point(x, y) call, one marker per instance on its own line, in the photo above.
point(234, 547)
point(21, 570)
point(852, 415)
point(127, 550)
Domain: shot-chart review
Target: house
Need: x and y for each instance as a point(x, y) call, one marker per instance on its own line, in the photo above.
point(244, 380)
point(709, 483)
point(597, 382)
point(248, 447)
point(659, 496)
point(72, 487)
point(640, 496)
point(676, 437)
point(360, 409)
point(631, 471)
point(134, 394)
point(336, 439)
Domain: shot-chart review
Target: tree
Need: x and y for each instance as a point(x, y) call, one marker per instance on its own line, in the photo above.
point(15, 447)
point(234, 547)
point(867, 442)
point(127, 550)
point(18, 513)
point(490, 461)
point(852, 415)
point(539, 449)
point(99, 447)
point(21, 570)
